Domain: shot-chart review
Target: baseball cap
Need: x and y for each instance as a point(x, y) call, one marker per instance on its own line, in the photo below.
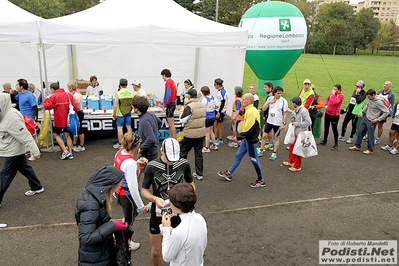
point(192, 92)
point(296, 100)
point(307, 81)
point(136, 83)
point(171, 148)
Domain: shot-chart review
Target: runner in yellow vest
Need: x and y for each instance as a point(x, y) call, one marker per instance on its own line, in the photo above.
point(306, 94)
point(122, 111)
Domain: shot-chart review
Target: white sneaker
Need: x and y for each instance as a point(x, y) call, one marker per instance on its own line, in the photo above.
point(349, 141)
point(341, 138)
point(376, 141)
point(199, 177)
point(33, 192)
point(206, 150)
point(365, 138)
point(33, 158)
point(214, 147)
point(133, 246)
point(117, 146)
point(233, 144)
point(395, 142)
point(78, 148)
point(387, 148)
point(394, 151)
point(230, 137)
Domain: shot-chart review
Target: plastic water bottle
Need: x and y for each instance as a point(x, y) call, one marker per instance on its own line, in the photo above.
point(148, 207)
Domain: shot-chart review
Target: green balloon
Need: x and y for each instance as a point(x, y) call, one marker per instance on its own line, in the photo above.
point(276, 38)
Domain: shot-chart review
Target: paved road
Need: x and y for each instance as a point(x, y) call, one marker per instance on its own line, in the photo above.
point(333, 197)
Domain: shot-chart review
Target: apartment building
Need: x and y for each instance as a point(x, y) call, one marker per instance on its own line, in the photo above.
point(384, 10)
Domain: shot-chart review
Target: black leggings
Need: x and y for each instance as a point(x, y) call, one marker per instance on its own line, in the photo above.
point(334, 124)
point(347, 119)
point(129, 211)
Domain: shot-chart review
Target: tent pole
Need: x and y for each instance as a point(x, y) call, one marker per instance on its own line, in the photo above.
point(217, 10)
point(47, 91)
point(196, 67)
point(40, 71)
point(45, 71)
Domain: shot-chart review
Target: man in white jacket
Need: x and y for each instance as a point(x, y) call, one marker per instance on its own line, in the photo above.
point(15, 140)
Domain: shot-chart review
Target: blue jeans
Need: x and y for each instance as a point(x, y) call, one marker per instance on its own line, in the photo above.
point(366, 126)
point(253, 156)
point(11, 166)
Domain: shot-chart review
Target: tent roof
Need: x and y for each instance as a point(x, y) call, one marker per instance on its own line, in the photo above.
point(141, 22)
point(17, 25)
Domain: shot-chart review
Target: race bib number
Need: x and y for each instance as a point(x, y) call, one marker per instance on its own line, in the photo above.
point(160, 211)
point(396, 119)
point(352, 101)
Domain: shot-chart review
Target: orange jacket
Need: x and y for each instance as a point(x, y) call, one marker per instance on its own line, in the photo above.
point(237, 104)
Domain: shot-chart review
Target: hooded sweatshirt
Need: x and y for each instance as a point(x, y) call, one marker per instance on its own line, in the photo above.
point(15, 139)
point(376, 109)
point(94, 223)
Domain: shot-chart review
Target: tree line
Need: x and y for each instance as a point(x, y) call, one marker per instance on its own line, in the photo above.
point(332, 28)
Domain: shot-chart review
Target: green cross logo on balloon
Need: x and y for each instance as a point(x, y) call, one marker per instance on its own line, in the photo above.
point(276, 37)
point(285, 24)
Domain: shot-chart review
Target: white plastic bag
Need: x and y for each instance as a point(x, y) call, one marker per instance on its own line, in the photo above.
point(305, 145)
point(290, 136)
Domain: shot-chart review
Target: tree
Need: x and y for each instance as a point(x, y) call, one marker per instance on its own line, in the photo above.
point(308, 10)
point(366, 26)
point(230, 12)
point(337, 33)
point(54, 8)
point(188, 4)
point(73, 6)
point(394, 36)
point(382, 37)
point(334, 12)
point(42, 8)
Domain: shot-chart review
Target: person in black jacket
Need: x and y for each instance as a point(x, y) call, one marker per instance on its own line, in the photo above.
point(149, 126)
point(352, 111)
point(96, 244)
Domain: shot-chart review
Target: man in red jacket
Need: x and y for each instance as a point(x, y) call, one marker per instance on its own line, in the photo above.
point(59, 101)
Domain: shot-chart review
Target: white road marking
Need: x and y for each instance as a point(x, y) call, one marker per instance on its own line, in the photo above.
point(38, 226)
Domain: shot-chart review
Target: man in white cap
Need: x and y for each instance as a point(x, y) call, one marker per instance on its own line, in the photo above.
point(162, 174)
point(306, 94)
point(137, 88)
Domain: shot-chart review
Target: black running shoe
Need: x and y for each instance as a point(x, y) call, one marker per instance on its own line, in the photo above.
point(335, 148)
point(323, 143)
point(258, 183)
point(225, 175)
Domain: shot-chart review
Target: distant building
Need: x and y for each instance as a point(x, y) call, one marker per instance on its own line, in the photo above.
point(357, 7)
point(333, 1)
point(384, 10)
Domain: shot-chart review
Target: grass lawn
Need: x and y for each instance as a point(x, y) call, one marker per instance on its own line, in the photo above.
point(344, 69)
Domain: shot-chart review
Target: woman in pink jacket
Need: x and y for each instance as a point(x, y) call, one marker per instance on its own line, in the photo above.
point(333, 105)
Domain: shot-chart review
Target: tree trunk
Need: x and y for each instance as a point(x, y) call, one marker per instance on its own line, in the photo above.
point(354, 49)
point(372, 50)
point(335, 46)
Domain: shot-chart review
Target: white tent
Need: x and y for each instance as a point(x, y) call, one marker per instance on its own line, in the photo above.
point(136, 39)
point(20, 45)
point(17, 25)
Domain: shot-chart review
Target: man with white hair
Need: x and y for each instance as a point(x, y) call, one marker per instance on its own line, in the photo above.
point(388, 95)
point(137, 88)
